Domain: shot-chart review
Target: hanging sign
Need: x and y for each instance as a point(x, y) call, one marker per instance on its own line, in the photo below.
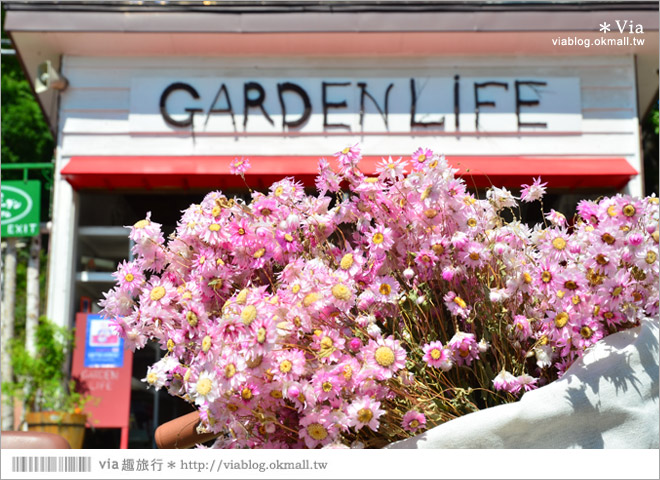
point(21, 208)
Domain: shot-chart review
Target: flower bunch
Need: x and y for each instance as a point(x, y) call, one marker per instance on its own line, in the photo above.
point(380, 307)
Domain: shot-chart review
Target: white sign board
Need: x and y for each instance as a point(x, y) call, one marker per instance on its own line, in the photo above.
point(376, 105)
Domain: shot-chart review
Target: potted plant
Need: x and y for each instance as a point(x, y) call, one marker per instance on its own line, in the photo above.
point(53, 402)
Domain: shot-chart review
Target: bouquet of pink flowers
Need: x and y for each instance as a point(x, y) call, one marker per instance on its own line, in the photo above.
point(381, 307)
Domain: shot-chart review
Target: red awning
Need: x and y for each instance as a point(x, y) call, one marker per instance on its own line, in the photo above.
point(212, 172)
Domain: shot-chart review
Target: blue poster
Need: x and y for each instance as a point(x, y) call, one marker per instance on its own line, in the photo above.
point(104, 348)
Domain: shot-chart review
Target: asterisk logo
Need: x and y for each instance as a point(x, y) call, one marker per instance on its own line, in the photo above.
point(604, 27)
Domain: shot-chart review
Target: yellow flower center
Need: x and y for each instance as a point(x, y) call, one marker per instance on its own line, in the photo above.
point(607, 238)
point(317, 431)
point(157, 293)
point(611, 211)
point(216, 211)
point(170, 345)
point(585, 331)
point(241, 231)
point(433, 164)
point(152, 378)
point(436, 354)
point(191, 318)
point(575, 299)
point(629, 210)
point(288, 237)
point(472, 222)
point(421, 158)
point(214, 227)
point(365, 415)
point(651, 257)
point(230, 370)
point(601, 259)
point(341, 292)
point(384, 356)
point(559, 243)
point(246, 394)
point(279, 191)
point(474, 256)
point(261, 335)
point(204, 386)
point(570, 284)
point(142, 223)
point(561, 293)
point(326, 386)
point(129, 277)
point(430, 213)
point(310, 298)
point(259, 253)
point(527, 278)
point(438, 249)
point(378, 238)
point(276, 394)
point(242, 296)
point(347, 372)
point(285, 366)
point(206, 343)
point(385, 289)
point(561, 320)
point(656, 236)
point(617, 291)
point(248, 314)
point(346, 261)
point(460, 302)
point(346, 150)
point(546, 276)
point(414, 424)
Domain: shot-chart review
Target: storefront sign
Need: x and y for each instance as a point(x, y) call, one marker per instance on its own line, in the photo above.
point(21, 208)
point(111, 384)
point(366, 105)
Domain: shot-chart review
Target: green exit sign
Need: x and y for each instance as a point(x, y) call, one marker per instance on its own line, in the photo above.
point(21, 208)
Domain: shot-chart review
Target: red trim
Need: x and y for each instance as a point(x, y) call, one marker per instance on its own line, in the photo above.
point(212, 172)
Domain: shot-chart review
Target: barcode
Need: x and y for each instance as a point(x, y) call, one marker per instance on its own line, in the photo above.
point(51, 464)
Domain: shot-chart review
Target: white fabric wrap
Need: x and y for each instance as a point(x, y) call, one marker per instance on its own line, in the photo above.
point(606, 399)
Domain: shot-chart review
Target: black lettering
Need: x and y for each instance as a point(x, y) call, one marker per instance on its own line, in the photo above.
point(457, 107)
point(413, 110)
point(486, 103)
point(163, 105)
point(229, 109)
point(327, 105)
point(254, 102)
point(520, 102)
point(364, 93)
point(307, 110)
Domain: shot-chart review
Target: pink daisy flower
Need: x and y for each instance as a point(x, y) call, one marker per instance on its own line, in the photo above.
point(530, 193)
point(380, 239)
point(505, 381)
point(239, 166)
point(413, 421)
point(384, 357)
point(289, 365)
point(348, 157)
point(327, 386)
point(318, 428)
point(437, 356)
point(464, 347)
point(456, 305)
point(364, 411)
point(421, 157)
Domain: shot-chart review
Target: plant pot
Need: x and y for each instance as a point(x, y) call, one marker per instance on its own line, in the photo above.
point(69, 425)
